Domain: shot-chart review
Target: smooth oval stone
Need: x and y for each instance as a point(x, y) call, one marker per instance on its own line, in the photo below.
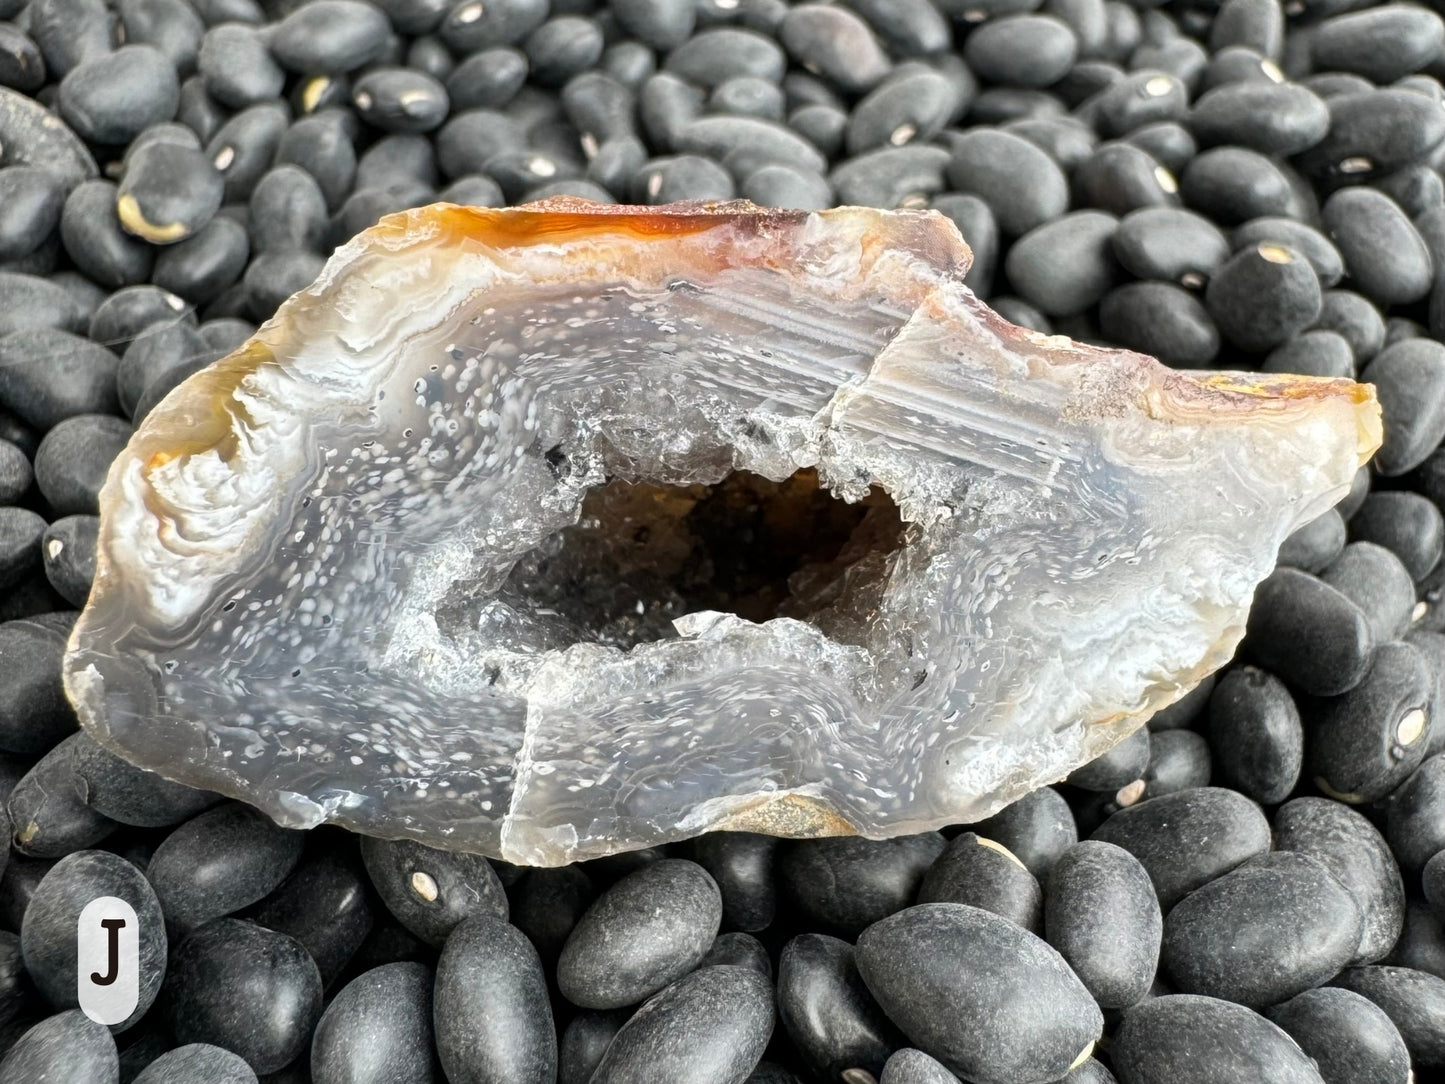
point(1255, 735)
point(324, 905)
point(644, 932)
point(742, 865)
point(199, 1063)
point(329, 36)
point(982, 873)
point(1036, 829)
point(47, 808)
point(429, 891)
point(493, 1018)
point(827, 1011)
point(112, 97)
point(1276, 926)
point(1366, 742)
point(1383, 44)
point(845, 883)
point(1355, 852)
point(48, 375)
point(48, 937)
point(1101, 913)
point(1187, 839)
point(1023, 50)
point(250, 990)
point(1350, 1038)
point(67, 1048)
point(377, 1029)
point(1413, 1000)
point(1309, 633)
point(836, 44)
point(219, 862)
point(722, 53)
point(1378, 583)
point(708, 1027)
point(909, 1066)
point(1189, 1039)
point(985, 997)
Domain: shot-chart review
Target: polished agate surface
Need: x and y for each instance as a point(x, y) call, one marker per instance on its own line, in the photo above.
point(555, 531)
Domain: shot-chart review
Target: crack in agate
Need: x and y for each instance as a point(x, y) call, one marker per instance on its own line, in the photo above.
point(327, 573)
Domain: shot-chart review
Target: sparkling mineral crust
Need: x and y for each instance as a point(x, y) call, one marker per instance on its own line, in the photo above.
point(567, 529)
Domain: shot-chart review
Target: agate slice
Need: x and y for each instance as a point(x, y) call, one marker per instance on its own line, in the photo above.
point(566, 529)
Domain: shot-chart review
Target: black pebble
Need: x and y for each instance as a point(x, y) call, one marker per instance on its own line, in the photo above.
point(219, 862)
point(827, 1012)
point(644, 932)
point(715, 55)
point(1187, 839)
point(1234, 184)
point(1101, 913)
point(67, 1047)
point(49, 934)
point(709, 1027)
point(1262, 295)
point(1255, 735)
point(836, 44)
point(48, 375)
point(935, 966)
point(983, 873)
point(250, 990)
point(73, 459)
point(1271, 118)
point(1278, 925)
point(1214, 1041)
point(846, 883)
point(1350, 1038)
point(1036, 829)
point(113, 97)
point(1355, 852)
point(429, 891)
point(378, 1027)
point(1409, 379)
point(288, 210)
point(487, 80)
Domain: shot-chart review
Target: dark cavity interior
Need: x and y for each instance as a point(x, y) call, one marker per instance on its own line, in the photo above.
point(643, 554)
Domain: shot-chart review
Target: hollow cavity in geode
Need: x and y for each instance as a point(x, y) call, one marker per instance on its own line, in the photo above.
point(561, 530)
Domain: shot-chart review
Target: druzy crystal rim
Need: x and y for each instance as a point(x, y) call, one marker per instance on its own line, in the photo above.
point(921, 257)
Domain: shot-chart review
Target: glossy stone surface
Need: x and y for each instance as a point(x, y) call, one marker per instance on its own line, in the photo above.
point(430, 556)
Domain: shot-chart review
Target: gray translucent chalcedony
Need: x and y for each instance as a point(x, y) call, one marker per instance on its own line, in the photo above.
point(505, 536)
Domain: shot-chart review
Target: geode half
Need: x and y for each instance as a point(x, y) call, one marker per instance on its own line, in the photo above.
point(566, 529)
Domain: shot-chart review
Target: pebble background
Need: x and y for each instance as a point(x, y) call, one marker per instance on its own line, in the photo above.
point(1249, 890)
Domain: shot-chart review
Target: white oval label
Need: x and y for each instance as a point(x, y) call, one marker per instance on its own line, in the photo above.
point(107, 960)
